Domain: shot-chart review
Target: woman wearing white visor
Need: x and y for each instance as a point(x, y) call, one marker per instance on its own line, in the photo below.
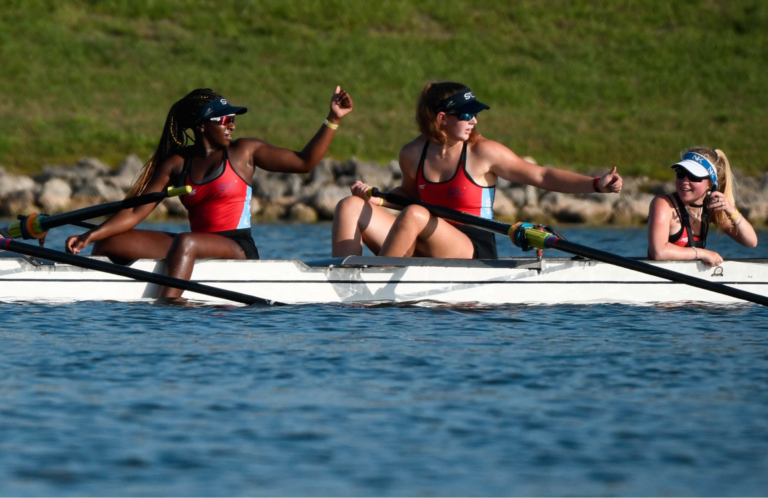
point(678, 223)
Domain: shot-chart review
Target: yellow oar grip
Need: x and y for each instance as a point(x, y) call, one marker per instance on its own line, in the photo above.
point(536, 237)
point(369, 192)
point(177, 191)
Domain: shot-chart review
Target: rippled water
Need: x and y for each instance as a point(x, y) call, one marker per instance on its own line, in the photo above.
point(143, 399)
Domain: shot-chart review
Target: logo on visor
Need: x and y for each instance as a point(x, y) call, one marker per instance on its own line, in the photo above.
point(223, 101)
point(468, 96)
point(208, 111)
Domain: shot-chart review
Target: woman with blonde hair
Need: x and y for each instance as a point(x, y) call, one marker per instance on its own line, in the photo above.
point(451, 165)
point(678, 224)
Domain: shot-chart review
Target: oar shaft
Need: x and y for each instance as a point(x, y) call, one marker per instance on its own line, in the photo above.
point(124, 271)
point(57, 220)
point(446, 213)
point(640, 266)
point(35, 226)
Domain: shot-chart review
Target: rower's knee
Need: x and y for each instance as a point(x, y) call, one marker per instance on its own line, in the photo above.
point(184, 245)
point(349, 206)
point(415, 216)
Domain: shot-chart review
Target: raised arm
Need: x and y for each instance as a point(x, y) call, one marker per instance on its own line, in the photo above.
point(506, 164)
point(127, 219)
point(277, 159)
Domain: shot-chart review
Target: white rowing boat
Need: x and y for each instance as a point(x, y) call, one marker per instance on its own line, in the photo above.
point(370, 280)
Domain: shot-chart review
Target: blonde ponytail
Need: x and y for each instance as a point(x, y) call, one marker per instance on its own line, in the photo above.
point(724, 179)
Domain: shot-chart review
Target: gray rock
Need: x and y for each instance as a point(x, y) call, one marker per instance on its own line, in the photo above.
point(81, 173)
point(18, 202)
point(349, 172)
point(127, 173)
point(631, 209)
point(271, 186)
point(394, 168)
point(575, 210)
point(503, 207)
point(325, 201)
point(97, 188)
point(10, 184)
point(174, 207)
point(55, 196)
point(302, 213)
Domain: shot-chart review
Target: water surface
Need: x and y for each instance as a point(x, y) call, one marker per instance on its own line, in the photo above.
point(146, 399)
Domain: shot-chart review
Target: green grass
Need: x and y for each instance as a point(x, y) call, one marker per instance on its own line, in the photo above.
point(578, 84)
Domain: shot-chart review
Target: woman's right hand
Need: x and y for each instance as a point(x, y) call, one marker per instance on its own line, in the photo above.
point(360, 189)
point(77, 243)
point(710, 258)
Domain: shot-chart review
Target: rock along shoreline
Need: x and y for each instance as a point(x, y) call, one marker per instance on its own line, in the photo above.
point(312, 197)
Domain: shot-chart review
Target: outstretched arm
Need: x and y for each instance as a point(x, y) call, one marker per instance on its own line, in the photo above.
point(506, 164)
point(126, 219)
point(277, 159)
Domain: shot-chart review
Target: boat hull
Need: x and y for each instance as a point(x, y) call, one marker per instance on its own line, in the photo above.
point(361, 280)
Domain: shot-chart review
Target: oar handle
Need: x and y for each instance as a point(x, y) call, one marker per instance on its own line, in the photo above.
point(35, 226)
point(125, 271)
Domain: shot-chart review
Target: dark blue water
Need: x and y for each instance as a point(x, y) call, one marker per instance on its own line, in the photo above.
point(144, 399)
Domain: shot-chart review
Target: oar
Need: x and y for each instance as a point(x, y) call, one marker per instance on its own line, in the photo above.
point(124, 271)
point(35, 226)
point(526, 237)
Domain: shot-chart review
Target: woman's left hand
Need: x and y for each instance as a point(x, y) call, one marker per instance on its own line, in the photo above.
point(610, 183)
point(719, 202)
point(341, 105)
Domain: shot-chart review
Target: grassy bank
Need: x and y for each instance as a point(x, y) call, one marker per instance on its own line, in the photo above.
point(577, 84)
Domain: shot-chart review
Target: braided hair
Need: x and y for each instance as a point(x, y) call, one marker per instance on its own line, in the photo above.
point(182, 116)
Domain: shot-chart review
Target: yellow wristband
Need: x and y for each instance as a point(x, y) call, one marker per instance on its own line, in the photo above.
point(381, 201)
point(330, 125)
point(734, 215)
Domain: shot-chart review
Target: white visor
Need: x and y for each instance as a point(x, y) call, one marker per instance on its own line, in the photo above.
point(693, 168)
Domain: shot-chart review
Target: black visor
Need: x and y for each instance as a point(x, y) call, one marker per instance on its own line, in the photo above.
point(462, 102)
point(217, 108)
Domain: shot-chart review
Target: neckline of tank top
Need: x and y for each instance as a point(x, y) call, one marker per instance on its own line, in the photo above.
point(213, 175)
point(462, 159)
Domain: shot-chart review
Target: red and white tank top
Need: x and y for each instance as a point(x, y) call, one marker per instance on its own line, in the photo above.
point(460, 192)
point(219, 204)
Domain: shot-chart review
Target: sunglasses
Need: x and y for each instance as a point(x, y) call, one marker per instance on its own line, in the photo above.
point(224, 120)
point(464, 116)
point(681, 174)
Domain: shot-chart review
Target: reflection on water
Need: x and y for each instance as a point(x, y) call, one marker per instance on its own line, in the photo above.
point(143, 398)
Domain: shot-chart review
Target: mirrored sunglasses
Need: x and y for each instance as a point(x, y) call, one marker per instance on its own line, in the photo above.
point(224, 120)
point(465, 116)
point(681, 173)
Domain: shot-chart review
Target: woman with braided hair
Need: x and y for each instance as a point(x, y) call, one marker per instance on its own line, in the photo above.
point(219, 170)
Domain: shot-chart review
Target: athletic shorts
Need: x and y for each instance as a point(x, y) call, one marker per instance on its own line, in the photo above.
point(244, 239)
point(483, 241)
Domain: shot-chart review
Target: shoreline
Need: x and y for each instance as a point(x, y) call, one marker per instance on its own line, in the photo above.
point(312, 197)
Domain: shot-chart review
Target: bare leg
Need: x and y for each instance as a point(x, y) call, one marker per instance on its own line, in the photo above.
point(417, 232)
point(129, 246)
point(355, 222)
point(188, 247)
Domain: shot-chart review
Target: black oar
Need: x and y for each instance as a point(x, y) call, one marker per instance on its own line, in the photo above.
point(525, 236)
point(124, 271)
point(35, 226)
